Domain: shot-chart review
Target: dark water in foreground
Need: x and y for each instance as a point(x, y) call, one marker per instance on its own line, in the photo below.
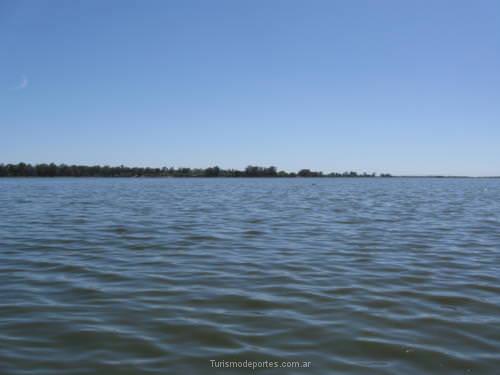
point(159, 276)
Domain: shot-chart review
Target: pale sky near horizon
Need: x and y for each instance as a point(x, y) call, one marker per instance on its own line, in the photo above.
point(405, 87)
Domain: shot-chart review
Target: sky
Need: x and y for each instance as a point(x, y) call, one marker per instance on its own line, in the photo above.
point(404, 87)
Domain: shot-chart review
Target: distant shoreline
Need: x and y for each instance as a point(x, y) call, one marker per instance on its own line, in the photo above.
point(64, 170)
point(262, 177)
point(81, 171)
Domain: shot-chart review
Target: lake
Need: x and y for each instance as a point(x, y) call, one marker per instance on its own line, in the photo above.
point(211, 276)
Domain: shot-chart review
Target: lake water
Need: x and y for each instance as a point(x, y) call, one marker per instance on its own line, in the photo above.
point(161, 276)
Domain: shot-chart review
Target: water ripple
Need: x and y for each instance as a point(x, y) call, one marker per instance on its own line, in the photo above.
point(157, 276)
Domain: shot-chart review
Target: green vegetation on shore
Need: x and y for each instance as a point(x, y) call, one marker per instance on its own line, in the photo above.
point(63, 170)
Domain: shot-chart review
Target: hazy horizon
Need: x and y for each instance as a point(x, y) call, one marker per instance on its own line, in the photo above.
point(384, 87)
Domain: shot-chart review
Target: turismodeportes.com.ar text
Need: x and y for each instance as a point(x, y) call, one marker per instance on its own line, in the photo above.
point(254, 365)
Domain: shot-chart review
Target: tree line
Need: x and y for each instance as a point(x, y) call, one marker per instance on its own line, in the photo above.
point(64, 170)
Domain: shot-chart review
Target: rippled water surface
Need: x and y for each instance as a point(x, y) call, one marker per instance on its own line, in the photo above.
point(160, 276)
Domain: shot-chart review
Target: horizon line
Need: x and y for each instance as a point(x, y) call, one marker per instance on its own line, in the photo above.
point(257, 170)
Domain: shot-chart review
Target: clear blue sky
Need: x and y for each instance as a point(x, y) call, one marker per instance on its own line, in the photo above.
point(406, 87)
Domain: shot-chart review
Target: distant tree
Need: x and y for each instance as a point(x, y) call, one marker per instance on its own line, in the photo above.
point(212, 172)
point(309, 173)
point(282, 174)
point(270, 172)
point(304, 173)
point(252, 171)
